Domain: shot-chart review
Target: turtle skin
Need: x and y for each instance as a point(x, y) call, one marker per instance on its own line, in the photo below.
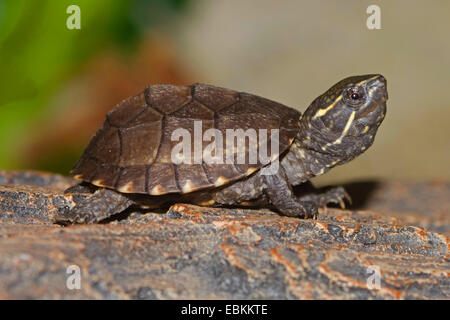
point(130, 160)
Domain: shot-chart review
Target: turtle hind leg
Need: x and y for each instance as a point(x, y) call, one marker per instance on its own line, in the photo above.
point(82, 187)
point(102, 204)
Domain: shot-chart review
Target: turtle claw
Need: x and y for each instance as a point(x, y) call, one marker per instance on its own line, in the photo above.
point(336, 196)
point(347, 197)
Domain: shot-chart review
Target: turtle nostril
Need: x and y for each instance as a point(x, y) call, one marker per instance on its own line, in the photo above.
point(382, 79)
point(377, 81)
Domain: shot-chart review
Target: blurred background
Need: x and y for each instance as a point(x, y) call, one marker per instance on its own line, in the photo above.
point(57, 84)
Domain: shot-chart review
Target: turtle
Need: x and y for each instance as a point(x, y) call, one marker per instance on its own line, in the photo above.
point(136, 157)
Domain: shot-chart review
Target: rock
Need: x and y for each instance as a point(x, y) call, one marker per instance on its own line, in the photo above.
point(397, 229)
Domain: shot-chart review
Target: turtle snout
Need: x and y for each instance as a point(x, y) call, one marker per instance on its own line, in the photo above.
point(377, 86)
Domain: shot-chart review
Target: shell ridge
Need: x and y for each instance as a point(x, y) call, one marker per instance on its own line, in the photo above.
point(182, 105)
point(177, 178)
point(238, 99)
point(147, 95)
point(201, 103)
point(79, 163)
point(126, 124)
point(147, 177)
point(163, 123)
point(116, 183)
point(134, 118)
point(208, 177)
point(93, 174)
point(238, 170)
point(119, 134)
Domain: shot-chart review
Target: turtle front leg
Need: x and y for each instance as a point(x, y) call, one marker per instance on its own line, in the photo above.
point(102, 204)
point(281, 195)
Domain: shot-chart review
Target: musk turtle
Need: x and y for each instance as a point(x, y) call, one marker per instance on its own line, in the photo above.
point(130, 161)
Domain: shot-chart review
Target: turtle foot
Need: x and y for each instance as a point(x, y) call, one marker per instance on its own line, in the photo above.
point(336, 195)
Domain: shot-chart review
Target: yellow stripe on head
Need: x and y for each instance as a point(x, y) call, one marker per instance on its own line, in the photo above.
point(322, 112)
point(346, 128)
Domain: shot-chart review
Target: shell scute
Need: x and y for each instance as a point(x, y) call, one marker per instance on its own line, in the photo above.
point(164, 175)
point(167, 98)
point(194, 110)
point(138, 147)
point(106, 176)
point(192, 177)
point(105, 145)
point(132, 179)
point(214, 98)
point(127, 110)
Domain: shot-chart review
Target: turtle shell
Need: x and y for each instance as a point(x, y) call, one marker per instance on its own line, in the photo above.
point(131, 152)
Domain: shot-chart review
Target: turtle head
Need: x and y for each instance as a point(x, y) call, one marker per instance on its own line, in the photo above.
point(344, 120)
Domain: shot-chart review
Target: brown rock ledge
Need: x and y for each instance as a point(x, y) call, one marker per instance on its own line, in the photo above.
point(204, 253)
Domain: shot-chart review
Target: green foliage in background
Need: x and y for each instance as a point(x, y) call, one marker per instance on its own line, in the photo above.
point(38, 53)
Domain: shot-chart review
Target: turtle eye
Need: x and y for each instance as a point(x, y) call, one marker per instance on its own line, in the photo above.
point(354, 96)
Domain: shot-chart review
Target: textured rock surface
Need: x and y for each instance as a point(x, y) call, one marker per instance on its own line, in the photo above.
point(194, 252)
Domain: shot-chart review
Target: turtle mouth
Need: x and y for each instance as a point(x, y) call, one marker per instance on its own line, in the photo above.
point(373, 106)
